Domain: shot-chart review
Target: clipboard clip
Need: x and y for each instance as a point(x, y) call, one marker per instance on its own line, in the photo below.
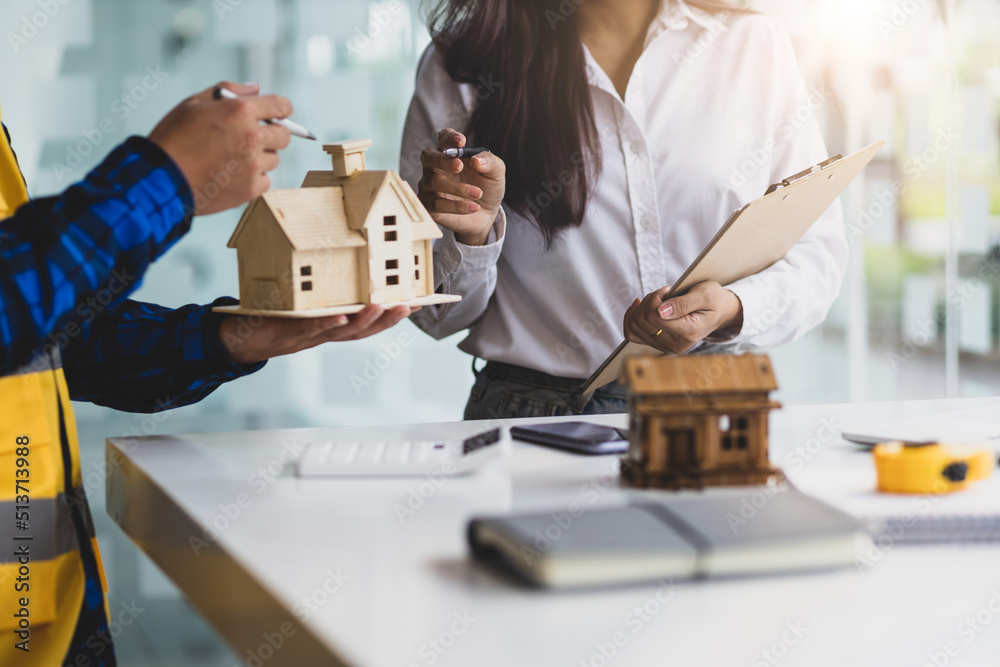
point(802, 174)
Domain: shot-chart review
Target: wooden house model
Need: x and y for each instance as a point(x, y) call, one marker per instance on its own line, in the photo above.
point(699, 421)
point(346, 238)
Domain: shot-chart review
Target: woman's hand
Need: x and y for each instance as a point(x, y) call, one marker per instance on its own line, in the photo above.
point(683, 320)
point(464, 199)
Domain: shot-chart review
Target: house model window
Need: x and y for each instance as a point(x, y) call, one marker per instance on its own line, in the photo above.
point(307, 286)
point(734, 432)
point(392, 280)
point(390, 236)
point(391, 264)
point(306, 271)
point(389, 220)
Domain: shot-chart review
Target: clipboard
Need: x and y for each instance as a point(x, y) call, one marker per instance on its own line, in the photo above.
point(753, 238)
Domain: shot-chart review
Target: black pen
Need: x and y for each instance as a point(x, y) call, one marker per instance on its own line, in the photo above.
point(464, 152)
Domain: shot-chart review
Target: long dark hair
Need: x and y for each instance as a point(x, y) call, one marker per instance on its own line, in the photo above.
point(526, 60)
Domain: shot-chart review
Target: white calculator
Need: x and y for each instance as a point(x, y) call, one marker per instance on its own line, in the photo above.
point(402, 459)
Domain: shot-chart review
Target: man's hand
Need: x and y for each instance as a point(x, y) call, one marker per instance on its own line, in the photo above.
point(246, 343)
point(221, 147)
point(464, 200)
point(684, 320)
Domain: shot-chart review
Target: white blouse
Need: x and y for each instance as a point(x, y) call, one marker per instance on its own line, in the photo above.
point(715, 111)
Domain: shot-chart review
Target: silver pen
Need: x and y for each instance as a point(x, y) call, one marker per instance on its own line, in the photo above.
point(464, 152)
point(287, 123)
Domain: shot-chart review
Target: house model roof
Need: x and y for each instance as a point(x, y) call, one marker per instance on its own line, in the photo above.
point(699, 375)
point(332, 208)
point(361, 191)
point(311, 219)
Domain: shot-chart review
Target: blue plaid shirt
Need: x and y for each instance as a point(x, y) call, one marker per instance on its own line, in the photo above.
point(67, 266)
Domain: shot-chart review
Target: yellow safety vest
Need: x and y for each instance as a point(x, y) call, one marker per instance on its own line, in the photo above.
point(12, 190)
point(43, 511)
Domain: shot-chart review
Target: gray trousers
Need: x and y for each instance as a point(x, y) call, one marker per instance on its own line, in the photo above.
point(504, 391)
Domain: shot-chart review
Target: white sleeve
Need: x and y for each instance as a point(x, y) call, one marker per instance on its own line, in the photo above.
point(469, 271)
point(786, 300)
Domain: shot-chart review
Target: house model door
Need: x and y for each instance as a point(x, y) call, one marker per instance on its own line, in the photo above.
point(680, 446)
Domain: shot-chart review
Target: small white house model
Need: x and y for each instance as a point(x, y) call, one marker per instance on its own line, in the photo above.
point(346, 238)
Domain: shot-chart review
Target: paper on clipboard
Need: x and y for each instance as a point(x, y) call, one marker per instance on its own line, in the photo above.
point(755, 237)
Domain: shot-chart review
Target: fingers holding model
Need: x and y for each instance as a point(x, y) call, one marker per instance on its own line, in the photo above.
point(221, 146)
point(463, 195)
point(676, 325)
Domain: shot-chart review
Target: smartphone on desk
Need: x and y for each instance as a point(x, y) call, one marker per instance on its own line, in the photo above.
point(578, 437)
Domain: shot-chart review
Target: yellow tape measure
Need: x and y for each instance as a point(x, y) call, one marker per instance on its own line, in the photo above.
point(934, 468)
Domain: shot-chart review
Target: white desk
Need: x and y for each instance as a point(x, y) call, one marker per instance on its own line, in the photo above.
point(404, 585)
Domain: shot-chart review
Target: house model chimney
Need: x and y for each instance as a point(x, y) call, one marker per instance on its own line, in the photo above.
point(348, 156)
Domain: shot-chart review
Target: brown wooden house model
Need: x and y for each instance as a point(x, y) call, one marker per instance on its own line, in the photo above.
point(699, 421)
point(348, 237)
